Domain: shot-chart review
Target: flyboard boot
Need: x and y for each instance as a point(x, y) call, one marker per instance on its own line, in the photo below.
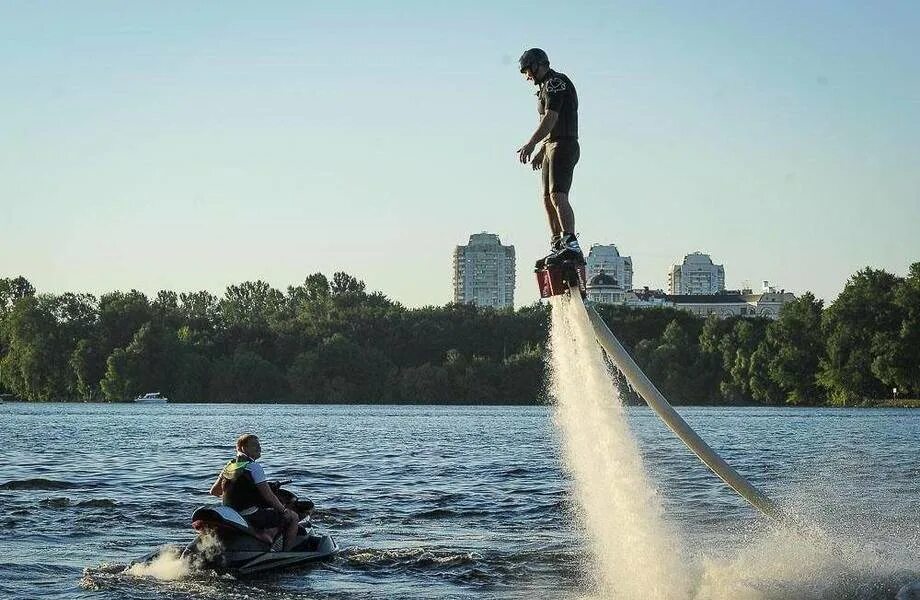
point(554, 246)
point(569, 251)
point(562, 270)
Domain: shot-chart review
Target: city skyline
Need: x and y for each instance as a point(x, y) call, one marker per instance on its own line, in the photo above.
point(187, 148)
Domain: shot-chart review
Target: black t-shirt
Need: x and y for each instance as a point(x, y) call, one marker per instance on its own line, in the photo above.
point(557, 93)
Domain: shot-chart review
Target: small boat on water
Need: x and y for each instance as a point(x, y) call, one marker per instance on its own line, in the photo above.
point(151, 398)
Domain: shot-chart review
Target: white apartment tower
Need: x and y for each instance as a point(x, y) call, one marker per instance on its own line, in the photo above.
point(484, 272)
point(696, 275)
point(607, 258)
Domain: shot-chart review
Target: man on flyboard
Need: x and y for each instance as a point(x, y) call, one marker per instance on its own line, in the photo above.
point(557, 104)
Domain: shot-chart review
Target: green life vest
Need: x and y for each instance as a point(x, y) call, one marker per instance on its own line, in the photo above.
point(240, 491)
point(234, 469)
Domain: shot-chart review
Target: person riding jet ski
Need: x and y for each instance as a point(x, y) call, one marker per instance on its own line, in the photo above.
point(243, 487)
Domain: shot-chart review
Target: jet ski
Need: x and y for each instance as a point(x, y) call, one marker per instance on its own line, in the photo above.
point(226, 542)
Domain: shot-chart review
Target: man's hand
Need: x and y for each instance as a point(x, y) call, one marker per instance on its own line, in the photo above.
point(547, 122)
point(290, 515)
point(537, 162)
point(525, 151)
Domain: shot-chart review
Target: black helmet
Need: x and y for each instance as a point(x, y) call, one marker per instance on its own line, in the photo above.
point(533, 58)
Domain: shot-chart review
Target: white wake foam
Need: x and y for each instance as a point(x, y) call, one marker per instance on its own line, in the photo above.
point(170, 565)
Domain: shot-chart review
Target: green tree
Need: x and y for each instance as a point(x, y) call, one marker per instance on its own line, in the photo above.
point(117, 384)
point(34, 362)
point(192, 381)
point(339, 370)
point(12, 290)
point(246, 377)
point(149, 363)
point(733, 342)
point(77, 316)
point(896, 353)
point(200, 312)
point(165, 309)
point(424, 384)
point(85, 363)
point(523, 375)
point(332, 341)
point(344, 284)
point(796, 345)
point(473, 379)
point(252, 303)
point(310, 301)
point(856, 326)
point(675, 364)
point(251, 314)
point(120, 316)
point(762, 387)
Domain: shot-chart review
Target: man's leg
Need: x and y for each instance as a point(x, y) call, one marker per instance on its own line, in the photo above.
point(558, 168)
point(552, 213)
point(267, 523)
point(546, 178)
point(563, 214)
point(563, 167)
point(290, 532)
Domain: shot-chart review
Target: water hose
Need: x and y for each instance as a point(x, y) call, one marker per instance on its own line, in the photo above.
point(641, 383)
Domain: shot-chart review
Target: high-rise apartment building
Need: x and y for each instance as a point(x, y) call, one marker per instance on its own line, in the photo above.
point(696, 275)
point(484, 272)
point(606, 258)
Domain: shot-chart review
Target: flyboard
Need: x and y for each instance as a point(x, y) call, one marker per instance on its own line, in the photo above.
point(569, 278)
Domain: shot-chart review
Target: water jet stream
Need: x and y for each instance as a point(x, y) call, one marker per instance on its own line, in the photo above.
point(636, 554)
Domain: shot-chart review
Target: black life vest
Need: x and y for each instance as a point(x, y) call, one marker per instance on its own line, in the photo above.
point(240, 491)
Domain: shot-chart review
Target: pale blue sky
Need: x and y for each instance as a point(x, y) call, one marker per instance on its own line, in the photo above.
point(189, 146)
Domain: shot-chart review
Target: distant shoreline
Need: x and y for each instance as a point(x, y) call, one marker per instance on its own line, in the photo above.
point(875, 403)
point(331, 341)
point(899, 403)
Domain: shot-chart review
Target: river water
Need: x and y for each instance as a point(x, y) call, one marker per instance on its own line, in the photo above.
point(453, 502)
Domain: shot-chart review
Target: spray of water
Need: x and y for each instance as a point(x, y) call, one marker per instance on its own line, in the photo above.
point(636, 554)
point(807, 562)
point(169, 564)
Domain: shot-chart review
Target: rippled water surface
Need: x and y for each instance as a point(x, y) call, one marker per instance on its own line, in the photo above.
point(441, 502)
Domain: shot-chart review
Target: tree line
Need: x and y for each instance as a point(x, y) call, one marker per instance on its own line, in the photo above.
point(332, 341)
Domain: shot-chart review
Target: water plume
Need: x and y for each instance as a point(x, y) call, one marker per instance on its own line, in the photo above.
point(169, 564)
point(636, 554)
